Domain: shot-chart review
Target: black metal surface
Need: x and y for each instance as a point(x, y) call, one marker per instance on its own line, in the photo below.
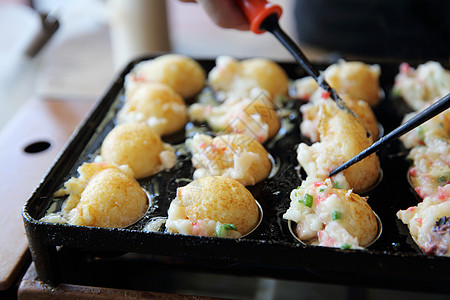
point(393, 261)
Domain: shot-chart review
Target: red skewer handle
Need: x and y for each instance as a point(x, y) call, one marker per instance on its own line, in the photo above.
point(257, 11)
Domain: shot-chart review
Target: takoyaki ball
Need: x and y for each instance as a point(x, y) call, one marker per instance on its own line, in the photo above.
point(104, 195)
point(355, 79)
point(429, 82)
point(346, 133)
point(156, 104)
point(75, 185)
point(254, 116)
point(182, 73)
point(429, 224)
point(437, 128)
point(139, 147)
point(365, 115)
point(331, 217)
point(321, 100)
point(303, 88)
point(430, 171)
point(259, 112)
point(342, 136)
point(239, 77)
point(232, 155)
point(111, 199)
point(213, 206)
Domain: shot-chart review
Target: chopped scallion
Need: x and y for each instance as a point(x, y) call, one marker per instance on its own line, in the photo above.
point(444, 179)
point(221, 230)
point(308, 200)
point(336, 215)
point(421, 132)
point(346, 246)
point(337, 185)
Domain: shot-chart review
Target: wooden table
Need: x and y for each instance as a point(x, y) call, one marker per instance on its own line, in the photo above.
point(24, 161)
point(32, 289)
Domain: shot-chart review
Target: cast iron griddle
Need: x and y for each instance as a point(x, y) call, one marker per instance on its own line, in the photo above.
point(393, 261)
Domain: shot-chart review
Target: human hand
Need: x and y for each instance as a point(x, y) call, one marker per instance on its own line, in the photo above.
point(224, 13)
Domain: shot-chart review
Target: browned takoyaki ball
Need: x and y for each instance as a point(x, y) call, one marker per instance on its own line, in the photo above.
point(156, 104)
point(103, 195)
point(185, 75)
point(139, 147)
point(239, 77)
point(342, 136)
point(205, 204)
point(111, 199)
point(355, 79)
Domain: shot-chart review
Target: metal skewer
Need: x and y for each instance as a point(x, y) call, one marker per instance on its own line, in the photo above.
point(420, 118)
point(271, 24)
point(263, 16)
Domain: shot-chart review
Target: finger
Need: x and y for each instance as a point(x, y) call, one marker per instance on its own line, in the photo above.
point(225, 13)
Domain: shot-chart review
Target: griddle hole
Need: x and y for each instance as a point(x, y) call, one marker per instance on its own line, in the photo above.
point(37, 147)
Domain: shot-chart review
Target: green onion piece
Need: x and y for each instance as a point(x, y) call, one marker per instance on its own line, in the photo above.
point(308, 200)
point(346, 246)
point(337, 185)
point(229, 227)
point(322, 190)
point(396, 93)
point(442, 179)
point(222, 229)
point(421, 132)
point(336, 215)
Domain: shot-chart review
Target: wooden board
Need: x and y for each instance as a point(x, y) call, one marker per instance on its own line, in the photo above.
point(38, 120)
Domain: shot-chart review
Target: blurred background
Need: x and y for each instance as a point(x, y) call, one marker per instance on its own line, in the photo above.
point(95, 39)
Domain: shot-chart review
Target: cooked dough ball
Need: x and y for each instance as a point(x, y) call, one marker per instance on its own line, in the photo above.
point(321, 100)
point(303, 88)
point(341, 136)
point(103, 195)
point(418, 87)
point(331, 217)
point(75, 185)
point(139, 147)
point(213, 206)
point(429, 224)
point(253, 116)
point(239, 77)
point(156, 104)
point(430, 171)
point(437, 128)
point(182, 73)
point(355, 79)
point(111, 199)
point(232, 155)
point(365, 115)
